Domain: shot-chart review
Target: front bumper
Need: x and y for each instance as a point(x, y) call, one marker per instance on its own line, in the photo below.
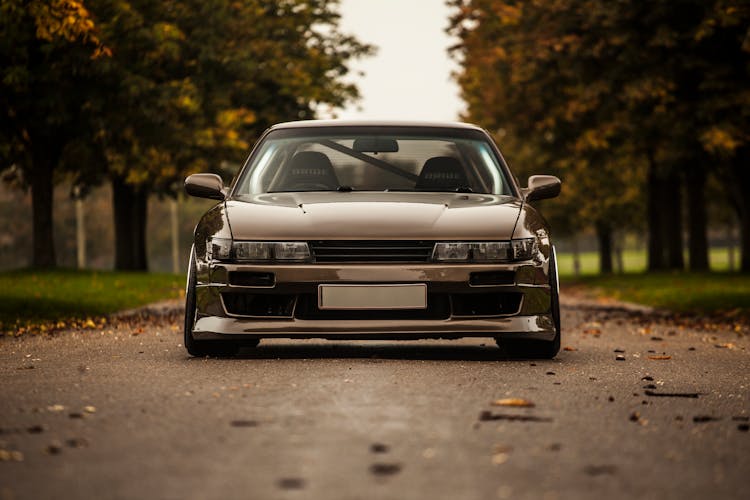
point(530, 317)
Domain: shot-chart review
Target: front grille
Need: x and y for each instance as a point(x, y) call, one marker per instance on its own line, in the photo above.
point(371, 251)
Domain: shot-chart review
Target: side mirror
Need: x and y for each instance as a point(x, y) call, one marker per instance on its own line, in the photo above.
point(541, 187)
point(205, 186)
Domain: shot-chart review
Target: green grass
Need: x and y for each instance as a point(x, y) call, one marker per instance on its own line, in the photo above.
point(30, 298)
point(634, 261)
point(700, 293)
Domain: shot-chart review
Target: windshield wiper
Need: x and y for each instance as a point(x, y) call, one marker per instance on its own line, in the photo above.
point(460, 189)
point(341, 189)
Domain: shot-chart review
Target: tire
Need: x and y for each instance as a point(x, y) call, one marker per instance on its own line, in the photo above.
point(534, 348)
point(202, 348)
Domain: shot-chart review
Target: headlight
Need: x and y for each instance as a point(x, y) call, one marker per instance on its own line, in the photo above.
point(485, 251)
point(254, 251)
point(524, 249)
point(292, 250)
point(218, 248)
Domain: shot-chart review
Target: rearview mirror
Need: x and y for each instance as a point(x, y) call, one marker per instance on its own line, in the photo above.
point(375, 145)
point(205, 186)
point(541, 187)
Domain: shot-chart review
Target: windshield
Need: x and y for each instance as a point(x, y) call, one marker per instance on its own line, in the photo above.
point(315, 160)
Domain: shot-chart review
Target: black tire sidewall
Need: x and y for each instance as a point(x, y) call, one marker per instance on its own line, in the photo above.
point(190, 306)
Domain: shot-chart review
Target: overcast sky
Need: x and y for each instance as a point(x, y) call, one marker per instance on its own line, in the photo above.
point(409, 78)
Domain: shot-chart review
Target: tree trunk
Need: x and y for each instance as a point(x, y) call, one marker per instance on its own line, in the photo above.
point(738, 185)
point(44, 160)
point(672, 209)
point(576, 258)
point(604, 237)
point(697, 219)
point(619, 261)
point(656, 261)
point(130, 214)
point(745, 239)
point(730, 247)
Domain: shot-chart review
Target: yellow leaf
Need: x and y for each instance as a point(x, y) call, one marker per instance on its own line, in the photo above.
point(523, 403)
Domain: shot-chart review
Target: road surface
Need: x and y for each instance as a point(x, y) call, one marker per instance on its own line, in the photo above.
point(124, 413)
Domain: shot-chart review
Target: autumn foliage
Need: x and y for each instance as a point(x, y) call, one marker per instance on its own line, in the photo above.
point(633, 103)
point(140, 93)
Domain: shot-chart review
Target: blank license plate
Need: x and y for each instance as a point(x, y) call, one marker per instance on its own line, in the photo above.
point(372, 296)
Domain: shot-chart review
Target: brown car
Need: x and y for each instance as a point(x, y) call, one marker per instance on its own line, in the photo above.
point(372, 230)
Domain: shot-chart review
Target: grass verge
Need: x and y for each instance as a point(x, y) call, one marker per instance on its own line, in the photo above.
point(30, 298)
point(634, 261)
point(714, 293)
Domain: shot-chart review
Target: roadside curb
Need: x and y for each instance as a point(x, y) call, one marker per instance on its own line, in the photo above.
point(161, 308)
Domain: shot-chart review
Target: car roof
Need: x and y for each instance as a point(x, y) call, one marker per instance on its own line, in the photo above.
point(373, 123)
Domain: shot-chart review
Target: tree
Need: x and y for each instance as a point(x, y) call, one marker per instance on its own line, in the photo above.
point(639, 93)
point(43, 44)
point(531, 69)
point(190, 82)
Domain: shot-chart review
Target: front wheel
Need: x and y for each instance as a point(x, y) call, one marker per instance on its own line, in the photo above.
point(201, 348)
point(534, 348)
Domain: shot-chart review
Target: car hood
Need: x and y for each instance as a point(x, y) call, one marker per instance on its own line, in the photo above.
point(359, 215)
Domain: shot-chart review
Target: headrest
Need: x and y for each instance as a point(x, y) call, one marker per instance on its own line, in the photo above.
point(442, 172)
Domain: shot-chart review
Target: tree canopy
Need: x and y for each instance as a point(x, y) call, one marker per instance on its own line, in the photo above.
point(141, 93)
point(621, 99)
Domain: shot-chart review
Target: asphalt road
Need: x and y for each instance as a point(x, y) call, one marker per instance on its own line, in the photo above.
point(125, 413)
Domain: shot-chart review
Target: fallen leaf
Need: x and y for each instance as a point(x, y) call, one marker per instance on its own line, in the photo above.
point(568, 348)
point(56, 408)
point(524, 403)
point(385, 469)
point(726, 345)
point(379, 448)
point(598, 470)
point(243, 423)
point(701, 419)
point(54, 448)
point(11, 456)
point(291, 483)
point(89, 409)
point(487, 416)
point(77, 442)
point(660, 358)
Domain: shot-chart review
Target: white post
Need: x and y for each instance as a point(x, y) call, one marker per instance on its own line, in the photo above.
point(80, 230)
point(174, 205)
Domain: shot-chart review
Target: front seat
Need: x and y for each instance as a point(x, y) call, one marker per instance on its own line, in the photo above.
point(308, 171)
point(441, 173)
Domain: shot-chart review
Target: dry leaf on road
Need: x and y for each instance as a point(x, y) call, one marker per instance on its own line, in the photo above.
point(524, 403)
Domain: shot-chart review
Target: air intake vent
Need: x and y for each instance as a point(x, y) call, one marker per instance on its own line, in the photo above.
point(264, 305)
point(248, 278)
point(371, 251)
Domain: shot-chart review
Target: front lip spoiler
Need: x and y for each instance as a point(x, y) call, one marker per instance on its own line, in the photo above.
point(531, 327)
